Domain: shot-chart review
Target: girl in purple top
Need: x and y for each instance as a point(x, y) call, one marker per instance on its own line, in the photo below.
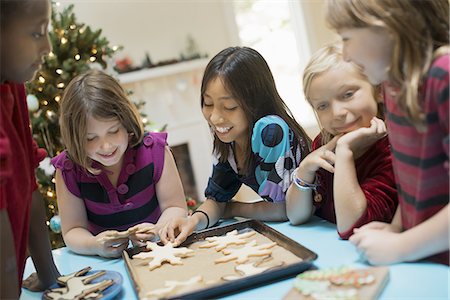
point(112, 175)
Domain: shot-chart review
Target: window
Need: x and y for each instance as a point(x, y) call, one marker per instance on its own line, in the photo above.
point(276, 29)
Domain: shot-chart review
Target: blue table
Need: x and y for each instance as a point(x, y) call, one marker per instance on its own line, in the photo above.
point(407, 280)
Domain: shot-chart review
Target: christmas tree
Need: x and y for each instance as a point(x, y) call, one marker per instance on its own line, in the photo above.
point(76, 49)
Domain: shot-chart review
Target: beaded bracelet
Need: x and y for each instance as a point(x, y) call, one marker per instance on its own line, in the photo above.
point(302, 185)
point(206, 215)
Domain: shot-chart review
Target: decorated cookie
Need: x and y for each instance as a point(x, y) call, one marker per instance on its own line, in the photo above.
point(160, 254)
point(340, 276)
point(242, 254)
point(231, 238)
point(334, 283)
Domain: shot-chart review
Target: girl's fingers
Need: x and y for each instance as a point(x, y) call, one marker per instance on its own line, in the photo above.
point(331, 145)
point(356, 238)
point(163, 235)
point(327, 166)
point(327, 160)
point(380, 125)
point(171, 232)
point(181, 237)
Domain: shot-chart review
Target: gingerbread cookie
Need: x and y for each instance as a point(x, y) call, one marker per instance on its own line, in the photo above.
point(172, 285)
point(242, 254)
point(114, 235)
point(160, 254)
point(252, 269)
point(76, 286)
point(231, 238)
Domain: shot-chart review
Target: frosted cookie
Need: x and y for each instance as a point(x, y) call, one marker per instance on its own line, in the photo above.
point(160, 254)
point(344, 276)
point(231, 238)
point(242, 254)
point(324, 283)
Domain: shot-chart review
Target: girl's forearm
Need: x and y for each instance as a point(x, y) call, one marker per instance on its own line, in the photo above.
point(349, 199)
point(428, 238)
point(263, 211)
point(213, 209)
point(81, 241)
point(39, 244)
point(299, 205)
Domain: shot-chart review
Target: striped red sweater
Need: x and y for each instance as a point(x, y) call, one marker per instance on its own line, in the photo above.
point(420, 159)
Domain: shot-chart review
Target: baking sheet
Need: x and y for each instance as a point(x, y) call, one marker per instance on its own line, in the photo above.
point(295, 258)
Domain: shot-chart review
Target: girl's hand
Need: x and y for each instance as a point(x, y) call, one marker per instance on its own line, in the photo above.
point(177, 230)
point(322, 157)
point(371, 240)
point(378, 226)
point(144, 232)
point(34, 284)
point(361, 139)
point(108, 246)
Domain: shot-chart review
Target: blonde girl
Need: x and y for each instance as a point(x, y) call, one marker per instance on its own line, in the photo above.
point(257, 142)
point(347, 179)
point(112, 175)
point(405, 46)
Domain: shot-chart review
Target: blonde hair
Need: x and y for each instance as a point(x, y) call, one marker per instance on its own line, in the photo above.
point(418, 28)
point(98, 95)
point(323, 60)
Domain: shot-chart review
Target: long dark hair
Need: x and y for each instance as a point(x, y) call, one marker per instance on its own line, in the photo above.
point(246, 75)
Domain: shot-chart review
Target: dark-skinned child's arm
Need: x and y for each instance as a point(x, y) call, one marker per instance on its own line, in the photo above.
point(40, 249)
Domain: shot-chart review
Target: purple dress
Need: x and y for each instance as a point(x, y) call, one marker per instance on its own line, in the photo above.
point(133, 200)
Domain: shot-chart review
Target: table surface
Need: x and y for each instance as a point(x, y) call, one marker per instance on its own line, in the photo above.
point(407, 280)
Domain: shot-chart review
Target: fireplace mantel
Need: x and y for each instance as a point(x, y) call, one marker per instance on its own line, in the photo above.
point(172, 97)
point(168, 70)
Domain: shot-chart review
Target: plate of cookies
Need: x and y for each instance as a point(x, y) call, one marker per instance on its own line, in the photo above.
point(216, 261)
point(86, 284)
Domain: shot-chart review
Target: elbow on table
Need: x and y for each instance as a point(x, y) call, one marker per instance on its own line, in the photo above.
point(296, 218)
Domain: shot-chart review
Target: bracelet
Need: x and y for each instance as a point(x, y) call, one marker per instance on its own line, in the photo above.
point(302, 185)
point(206, 215)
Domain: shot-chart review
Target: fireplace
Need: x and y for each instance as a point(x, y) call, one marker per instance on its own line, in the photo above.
point(182, 157)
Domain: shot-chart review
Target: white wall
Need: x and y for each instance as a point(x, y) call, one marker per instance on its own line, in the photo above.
point(157, 27)
point(161, 27)
point(318, 32)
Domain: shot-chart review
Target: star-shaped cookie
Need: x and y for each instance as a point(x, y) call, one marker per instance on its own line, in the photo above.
point(242, 254)
point(231, 238)
point(162, 254)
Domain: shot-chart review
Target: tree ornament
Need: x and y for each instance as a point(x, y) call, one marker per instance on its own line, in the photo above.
point(55, 224)
point(32, 103)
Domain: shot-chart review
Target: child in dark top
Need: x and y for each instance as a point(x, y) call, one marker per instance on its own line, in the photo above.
point(347, 179)
point(112, 176)
point(405, 46)
point(24, 41)
point(256, 142)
